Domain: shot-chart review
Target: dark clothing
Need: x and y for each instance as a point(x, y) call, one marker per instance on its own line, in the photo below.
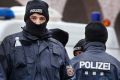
point(2, 75)
point(41, 34)
point(31, 58)
point(60, 35)
point(96, 64)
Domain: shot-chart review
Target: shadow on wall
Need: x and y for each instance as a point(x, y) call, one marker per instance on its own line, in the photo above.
point(78, 11)
point(117, 27)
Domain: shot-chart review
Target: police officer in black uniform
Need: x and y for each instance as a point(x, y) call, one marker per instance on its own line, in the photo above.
point(95, 63)
point(78, 49)
point(32, 54)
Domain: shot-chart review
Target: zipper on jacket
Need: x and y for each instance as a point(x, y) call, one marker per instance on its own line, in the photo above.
point(38, 43)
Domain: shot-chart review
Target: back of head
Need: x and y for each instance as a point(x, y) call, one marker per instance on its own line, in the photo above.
point(60, 35)
point(96, 32)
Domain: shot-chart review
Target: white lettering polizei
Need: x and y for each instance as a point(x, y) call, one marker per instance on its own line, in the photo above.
point(94, 65)
point(36, 10)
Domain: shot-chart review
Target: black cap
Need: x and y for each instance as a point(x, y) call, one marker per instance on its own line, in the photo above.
point(60, 35)
point(96, 32)
point(36, 6)
point(80, 45)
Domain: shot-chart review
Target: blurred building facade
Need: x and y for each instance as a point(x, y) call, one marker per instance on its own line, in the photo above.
point(78, 11)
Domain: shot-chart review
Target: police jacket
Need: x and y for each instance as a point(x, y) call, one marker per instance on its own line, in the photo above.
point(33, 59)
point(96, 64)
point(2, 75)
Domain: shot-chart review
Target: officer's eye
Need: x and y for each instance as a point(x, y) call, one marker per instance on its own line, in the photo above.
point(42, 18)
point(33, 17)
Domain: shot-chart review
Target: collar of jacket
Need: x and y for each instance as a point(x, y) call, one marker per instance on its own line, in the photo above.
point(28, 36)
point(95, 46)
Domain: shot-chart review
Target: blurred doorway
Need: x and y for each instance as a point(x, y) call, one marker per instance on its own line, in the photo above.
point(79, 11)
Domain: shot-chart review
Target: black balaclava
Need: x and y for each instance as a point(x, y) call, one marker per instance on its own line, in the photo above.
point(96, 32)
point(40, 7)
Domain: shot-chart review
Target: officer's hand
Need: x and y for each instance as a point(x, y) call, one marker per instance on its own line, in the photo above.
point(70, 71)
